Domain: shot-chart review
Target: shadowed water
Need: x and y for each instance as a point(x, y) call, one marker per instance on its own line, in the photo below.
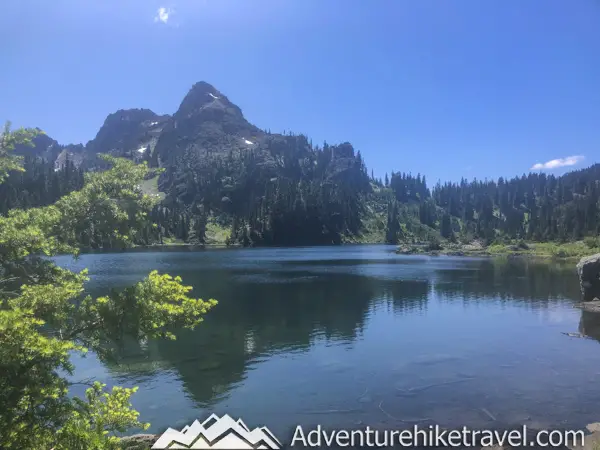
point(357, 335)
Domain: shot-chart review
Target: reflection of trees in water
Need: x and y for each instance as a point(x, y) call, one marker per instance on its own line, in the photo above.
point(589, 324)
point(510, 279)
point(256, 319)
point(263, 313)
point(405, 296)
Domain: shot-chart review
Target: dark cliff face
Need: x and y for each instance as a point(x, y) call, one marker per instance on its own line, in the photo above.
point(206, 130)
point(203, 97)
point(43, 147)
point(205, 124)
point(269, 188)
point(48, 149)
point(126, 133)
point(73, 153)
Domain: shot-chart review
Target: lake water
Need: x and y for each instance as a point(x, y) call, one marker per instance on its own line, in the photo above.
point(357, 335)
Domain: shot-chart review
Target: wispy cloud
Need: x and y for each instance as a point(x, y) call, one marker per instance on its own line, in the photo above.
point(560, 162)
point(162, 15)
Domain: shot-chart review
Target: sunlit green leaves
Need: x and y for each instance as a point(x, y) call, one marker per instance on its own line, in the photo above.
point(32, 394)
point(52, 302)
point(94, 418)
point(152, 308)
point(109, 210)
point(48, 317)
point(8, 140)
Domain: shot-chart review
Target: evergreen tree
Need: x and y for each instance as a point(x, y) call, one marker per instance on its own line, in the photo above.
point(393, 229)
point(446, 227)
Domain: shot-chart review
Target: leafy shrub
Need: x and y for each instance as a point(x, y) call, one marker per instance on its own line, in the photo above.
point(561, 253)
point(592, 241)
point(433, 245)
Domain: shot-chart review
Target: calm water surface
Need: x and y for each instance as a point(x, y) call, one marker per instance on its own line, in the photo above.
point(348, 336)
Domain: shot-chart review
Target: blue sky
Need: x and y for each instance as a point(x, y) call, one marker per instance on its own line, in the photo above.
point(445, 88)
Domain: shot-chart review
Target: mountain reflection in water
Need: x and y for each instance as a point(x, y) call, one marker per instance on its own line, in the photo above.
point(358, 335)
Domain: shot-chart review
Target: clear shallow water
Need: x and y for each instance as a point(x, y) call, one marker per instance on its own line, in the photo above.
point(357, 335)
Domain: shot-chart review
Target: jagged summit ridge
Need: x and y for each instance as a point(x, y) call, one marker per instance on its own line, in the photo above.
point(267, 188)
point(205, 119)
point(203, 95)
point(206, 124)
point(130, 115)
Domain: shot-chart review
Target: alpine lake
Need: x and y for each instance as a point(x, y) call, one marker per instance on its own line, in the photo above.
point(357, 335)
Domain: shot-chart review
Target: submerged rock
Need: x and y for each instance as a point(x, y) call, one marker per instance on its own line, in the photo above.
point(588, 270)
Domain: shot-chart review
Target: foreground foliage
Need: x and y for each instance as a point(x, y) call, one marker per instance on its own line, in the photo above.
point(8, 139)
point(46, 317)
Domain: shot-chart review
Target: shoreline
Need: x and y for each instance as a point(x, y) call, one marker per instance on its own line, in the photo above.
point(572, 251)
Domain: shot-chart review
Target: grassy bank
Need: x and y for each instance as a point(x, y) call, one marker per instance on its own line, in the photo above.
point(576, 249)
point(567, 250)
point(216, 234)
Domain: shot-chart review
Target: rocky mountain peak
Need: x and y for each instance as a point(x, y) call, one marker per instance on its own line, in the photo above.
point(127, 118)
point(126, 130)
point(41, 146)
point(204, 96)
point(206, 123)
point(343, 150)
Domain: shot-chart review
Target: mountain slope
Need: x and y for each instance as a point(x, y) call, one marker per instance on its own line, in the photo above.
point(254, 187)
point(265, 188)
point(129, 133)
point(206, 125)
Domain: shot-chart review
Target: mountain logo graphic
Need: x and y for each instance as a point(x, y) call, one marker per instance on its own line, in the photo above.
point(218, 432)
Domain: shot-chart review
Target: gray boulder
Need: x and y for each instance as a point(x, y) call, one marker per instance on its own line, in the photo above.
point(588, 270)
point(138, 442)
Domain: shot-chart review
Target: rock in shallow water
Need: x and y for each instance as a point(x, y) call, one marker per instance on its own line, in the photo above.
point(588, 270)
